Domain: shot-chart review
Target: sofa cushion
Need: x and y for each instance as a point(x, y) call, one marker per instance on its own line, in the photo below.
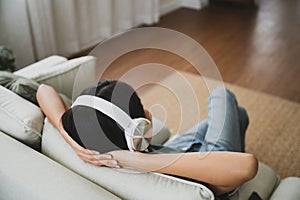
point(288, 189)
point(263, 184)
point(162, 132)
point(127, 184)
point(20, 118)
point(28, 175)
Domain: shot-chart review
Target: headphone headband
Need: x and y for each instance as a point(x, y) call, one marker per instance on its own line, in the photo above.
point(106, 108)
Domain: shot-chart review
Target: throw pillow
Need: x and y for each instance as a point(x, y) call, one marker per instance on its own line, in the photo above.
point(23, 87)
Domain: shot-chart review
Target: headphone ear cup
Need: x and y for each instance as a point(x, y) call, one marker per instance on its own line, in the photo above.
point(139, 135)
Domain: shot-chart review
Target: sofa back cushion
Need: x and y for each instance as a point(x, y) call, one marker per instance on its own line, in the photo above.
point(127, 184)
point(20, 118)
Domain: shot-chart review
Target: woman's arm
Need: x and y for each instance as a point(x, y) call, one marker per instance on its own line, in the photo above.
point(51, 104)
point(224, 171)
point(54, 107)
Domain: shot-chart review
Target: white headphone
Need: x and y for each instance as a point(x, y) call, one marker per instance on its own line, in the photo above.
point(138, 132)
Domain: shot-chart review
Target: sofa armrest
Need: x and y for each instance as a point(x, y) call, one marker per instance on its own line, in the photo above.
point(69, 77)
point(27, 174)
point(33, 71)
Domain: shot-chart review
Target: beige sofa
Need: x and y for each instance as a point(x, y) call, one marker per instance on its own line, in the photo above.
point(36, 163)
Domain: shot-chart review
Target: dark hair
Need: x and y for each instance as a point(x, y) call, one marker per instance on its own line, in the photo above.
point(83, 122)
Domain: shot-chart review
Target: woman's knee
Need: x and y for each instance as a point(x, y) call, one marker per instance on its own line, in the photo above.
point(221, 91)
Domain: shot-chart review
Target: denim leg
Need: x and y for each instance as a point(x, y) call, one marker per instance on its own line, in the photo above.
point(193, 138)
point(224, 132)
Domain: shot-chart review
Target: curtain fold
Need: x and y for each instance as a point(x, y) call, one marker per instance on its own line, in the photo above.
point(69, 26)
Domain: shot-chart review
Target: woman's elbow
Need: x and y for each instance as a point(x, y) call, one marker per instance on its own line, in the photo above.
point(252, 167)
point(43, 93)
point(42, 90)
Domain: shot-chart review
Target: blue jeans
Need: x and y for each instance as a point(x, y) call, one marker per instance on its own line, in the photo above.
point(223, 130)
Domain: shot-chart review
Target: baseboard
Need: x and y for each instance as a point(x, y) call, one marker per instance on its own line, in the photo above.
point(193, 4)
point(148, 20)
point(169, 7)
point(175, 4)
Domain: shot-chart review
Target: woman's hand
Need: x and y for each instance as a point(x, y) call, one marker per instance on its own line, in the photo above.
point(87, 155)
point(94, 157)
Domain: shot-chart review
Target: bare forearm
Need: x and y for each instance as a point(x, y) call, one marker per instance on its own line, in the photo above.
point(223, 169)
point(217, 168)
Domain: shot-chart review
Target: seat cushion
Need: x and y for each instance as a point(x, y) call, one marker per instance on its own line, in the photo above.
point(20, 118)
point(125, 183)
point(264, 183)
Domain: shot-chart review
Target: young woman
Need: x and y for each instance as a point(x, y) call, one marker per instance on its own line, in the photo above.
point(224, 168)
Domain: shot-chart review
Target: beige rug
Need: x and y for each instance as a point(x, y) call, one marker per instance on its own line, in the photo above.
point(273, 134)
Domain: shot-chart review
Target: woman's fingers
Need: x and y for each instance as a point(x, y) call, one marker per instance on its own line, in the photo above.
point(101, 162)
point(87, 151)
point(108, 163)
point(82, 150)
point(94, 157)
point(98, 159)
point(92, 152)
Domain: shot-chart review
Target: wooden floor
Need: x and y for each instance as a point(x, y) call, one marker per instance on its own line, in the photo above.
point(254, 47)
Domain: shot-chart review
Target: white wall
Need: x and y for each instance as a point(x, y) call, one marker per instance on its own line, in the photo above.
point(16, 36)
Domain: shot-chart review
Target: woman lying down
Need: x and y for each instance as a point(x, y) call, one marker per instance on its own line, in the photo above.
point(223, 169)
